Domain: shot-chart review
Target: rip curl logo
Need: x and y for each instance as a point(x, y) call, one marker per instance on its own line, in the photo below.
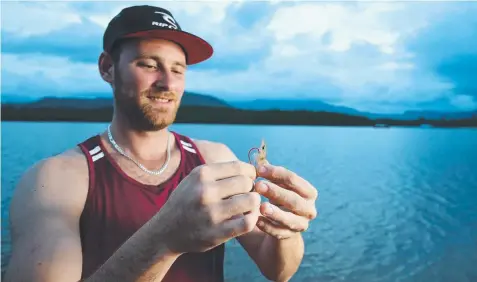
point(169, 21)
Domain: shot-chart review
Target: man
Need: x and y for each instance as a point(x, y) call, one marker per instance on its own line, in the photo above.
point(142, 203)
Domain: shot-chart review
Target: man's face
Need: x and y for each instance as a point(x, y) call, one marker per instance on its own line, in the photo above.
point(148, 83)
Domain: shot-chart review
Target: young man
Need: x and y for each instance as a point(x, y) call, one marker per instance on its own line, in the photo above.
point(142, 203)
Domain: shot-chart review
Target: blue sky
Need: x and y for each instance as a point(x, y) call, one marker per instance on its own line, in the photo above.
point(380, 56)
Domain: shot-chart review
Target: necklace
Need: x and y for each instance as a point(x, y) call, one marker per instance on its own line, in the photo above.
point(121, 151)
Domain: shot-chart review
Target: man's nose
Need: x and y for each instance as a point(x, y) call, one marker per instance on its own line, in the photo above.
point(164, 81)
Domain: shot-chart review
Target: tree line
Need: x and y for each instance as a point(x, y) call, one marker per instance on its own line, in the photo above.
point(225, 115)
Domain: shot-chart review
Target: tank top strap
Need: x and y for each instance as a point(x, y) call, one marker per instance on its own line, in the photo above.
point(189, 149)
point(91, 147)
point(93, 152)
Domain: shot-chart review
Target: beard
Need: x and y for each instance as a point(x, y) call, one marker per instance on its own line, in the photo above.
point(139, 109)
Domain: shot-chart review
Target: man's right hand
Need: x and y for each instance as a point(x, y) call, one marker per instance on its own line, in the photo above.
point(210, 206)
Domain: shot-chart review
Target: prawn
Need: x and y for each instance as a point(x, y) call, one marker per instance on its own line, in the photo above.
point(258, 156)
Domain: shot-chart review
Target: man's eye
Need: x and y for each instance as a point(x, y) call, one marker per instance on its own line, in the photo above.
point(142, 64)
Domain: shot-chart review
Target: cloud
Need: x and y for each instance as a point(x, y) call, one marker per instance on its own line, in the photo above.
point(36, 18)
point(43, 75)
point(339, 52)
point(386, 56)
point(449, 48)
point(85, 47)
point(464, 102)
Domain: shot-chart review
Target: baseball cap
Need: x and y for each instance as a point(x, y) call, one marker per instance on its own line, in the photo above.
point(154, 22)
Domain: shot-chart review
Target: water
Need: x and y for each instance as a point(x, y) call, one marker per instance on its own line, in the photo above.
point(397, 204)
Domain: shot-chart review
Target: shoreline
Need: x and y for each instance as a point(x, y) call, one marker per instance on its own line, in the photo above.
point(231, 116)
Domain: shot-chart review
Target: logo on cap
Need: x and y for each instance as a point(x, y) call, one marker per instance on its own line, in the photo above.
point(169, 21)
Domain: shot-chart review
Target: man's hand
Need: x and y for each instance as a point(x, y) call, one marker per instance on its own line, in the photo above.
point(210, 206)
point(291, 203)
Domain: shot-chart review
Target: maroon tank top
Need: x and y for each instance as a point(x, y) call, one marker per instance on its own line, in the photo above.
point(117, 206)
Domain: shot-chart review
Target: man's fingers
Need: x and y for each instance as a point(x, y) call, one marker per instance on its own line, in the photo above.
point(289, 180)
point(218, 171)
point(273, 228)
point(286, 219)
point(239, 225)
point(286, 198)
point(238, 205)
point(231, 186)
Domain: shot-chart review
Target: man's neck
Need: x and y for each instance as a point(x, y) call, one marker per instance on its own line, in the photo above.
point(141, 145)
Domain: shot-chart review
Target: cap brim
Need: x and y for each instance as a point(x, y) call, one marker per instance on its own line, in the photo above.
point(197, 49)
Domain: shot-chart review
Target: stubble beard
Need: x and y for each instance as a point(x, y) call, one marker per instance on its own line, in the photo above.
point(138, 111)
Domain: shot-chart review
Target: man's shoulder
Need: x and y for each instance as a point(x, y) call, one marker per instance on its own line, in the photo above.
point(71, 160)
point(67, 166)
point(208, 145)
point(213, 151)
point(55, 183)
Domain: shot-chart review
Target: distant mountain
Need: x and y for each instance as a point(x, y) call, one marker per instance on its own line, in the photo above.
point(101, 101)
point(199, 108)
point(196, 99)
point(293, 105)
point(317, 105)
point(76, 103)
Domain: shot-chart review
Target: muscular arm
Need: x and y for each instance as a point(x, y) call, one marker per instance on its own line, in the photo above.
point(277, 259)
point(44, 219)
point(44, 215)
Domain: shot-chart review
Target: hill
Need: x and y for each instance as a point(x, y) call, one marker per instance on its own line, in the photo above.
point(293, 105)
point(99, 100)
point(318, 106)
point(200, 108)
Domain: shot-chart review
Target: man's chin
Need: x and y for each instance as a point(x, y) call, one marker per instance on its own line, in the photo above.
point(160, 125)
point(148, 118)
point(159, 122)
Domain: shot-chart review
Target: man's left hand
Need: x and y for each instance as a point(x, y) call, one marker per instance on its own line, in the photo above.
point(291, 203)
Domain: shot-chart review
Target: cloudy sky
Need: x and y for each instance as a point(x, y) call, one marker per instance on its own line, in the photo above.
point(378, 56)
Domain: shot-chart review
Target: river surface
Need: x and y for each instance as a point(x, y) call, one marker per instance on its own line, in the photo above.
point(396, 204)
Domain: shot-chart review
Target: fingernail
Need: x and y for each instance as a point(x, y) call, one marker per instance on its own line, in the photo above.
point(262, 169)
point(262, 187)
point(268, 209)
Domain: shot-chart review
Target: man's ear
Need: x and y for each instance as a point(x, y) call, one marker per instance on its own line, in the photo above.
point(105, 65)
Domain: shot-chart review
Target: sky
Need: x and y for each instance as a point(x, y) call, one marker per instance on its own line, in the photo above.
point(377, 56)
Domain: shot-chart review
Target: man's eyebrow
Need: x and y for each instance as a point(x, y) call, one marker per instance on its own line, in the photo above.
point(156, 58)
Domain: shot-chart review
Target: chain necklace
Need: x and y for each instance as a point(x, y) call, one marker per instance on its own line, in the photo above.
point(121, 151)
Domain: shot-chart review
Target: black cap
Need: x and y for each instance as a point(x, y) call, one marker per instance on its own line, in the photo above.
point(154, 22)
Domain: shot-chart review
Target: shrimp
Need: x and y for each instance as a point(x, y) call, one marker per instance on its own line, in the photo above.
point(258, 156)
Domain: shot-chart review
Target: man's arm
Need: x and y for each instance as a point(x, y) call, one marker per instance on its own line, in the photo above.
point(278, 260)
point(44, 214)
point(44, 219)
